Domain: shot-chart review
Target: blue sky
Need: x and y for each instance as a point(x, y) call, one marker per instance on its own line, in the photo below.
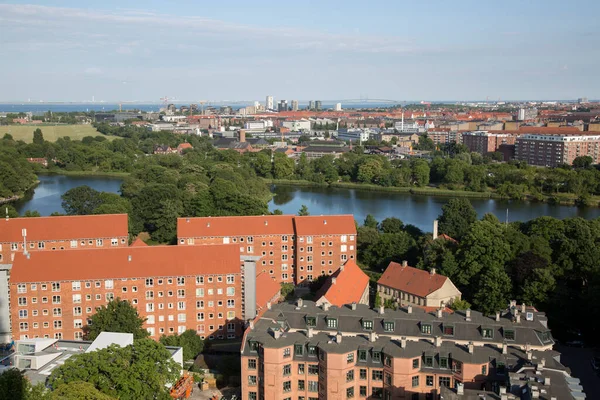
point(328, 49)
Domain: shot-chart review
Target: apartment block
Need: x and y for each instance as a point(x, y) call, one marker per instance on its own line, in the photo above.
point(54, 294)
point(60, 233)
point(292, 249)
point(302, 351)
point(551, 150)
point(483, 142)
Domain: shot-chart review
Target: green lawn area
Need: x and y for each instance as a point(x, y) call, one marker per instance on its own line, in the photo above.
point(51, 132)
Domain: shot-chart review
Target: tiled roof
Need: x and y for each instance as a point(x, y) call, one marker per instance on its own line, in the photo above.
point(411, 280)
point(266, 289)
point(325, 225)
point(64, 227)
point(125, 262)
point(235, 226)
point(350, 282)
point(138, 243)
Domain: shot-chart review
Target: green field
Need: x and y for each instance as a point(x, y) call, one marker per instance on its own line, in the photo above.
point(51, 132)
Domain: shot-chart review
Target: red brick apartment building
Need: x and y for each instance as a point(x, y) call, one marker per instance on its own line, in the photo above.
point(292, 249)
point(54, 293)
point(483, 142)
point(553, 149)
point(61, 233)
point(302, 351)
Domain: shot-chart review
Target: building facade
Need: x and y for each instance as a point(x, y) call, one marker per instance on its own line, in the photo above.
point(302, 351)
point(483, 142)
point(551, 150)
point(293, 249)
point(269, 103)
point(54, 294)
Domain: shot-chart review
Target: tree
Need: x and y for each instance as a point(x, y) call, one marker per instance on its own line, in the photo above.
point(391, 225)
point(377, 302)
point(582, 162)
point(370, 222)
point(81, 200)
point(38, 137)
point(31, 214)
point(303, 211)
point(493, 290)
point(287, 290)
point(420, 172)
point(459, 305)
point(77, 390)
point(283, 166)
point(138, 371)
point(13, 385)
point(116, 316)
point(189, 340)
point(456, 218)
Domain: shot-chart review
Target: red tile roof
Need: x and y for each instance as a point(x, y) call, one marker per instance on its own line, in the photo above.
point(235, 226)
point(138, 243)
point(64, 227)
point(411, 280)
point(125, 262)
point(349, 286)
point(183, 146)
point(266, 289)
point(325, 225)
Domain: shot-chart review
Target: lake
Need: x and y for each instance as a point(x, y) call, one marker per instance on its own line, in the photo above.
point(416, 210)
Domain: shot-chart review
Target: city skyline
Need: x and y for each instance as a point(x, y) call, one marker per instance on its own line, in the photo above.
point(466, 51)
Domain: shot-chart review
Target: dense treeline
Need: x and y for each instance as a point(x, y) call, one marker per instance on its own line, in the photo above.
point(547, 262)
point(16, 174)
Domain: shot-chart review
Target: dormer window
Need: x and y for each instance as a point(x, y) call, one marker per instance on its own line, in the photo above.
point(376, 356)
point(428, 361)
point(253, 346)
point(332, 323)
point(448, 330)
point(367, 325)
point(426, 329)
point(299, 349)
point(487, 333)
point(311, 322)
point(509, 334)
point(389, 326)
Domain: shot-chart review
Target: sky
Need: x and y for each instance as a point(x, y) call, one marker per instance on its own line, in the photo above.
point(329, 49)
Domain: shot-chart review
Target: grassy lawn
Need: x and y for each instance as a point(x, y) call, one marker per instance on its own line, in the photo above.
point(51, 132)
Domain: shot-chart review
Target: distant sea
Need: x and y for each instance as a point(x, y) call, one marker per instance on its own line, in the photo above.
point(104, 107)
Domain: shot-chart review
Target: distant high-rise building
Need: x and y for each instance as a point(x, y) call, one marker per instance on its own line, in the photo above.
point(582, 100)
point(526, 114)
point(269, 105)
point(282, 106)
point(338, 106)
point(294, 105)
point(311, 105)
point(318, 105)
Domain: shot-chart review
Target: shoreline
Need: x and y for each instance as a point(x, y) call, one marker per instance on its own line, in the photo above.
point(103, 174)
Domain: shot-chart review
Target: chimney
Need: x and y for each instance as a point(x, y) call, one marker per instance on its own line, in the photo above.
point(338, 337)
point(460, 387)
point(324, 222)
point(409, 309)
point(208, 224)
point(354, 306)
point(518, 318)
point(7, 213)
point(513, 303)
point(268, 305)
point(435, 229)
point(432, 271)
point(470, 347)
point(372, 336)
point(404, 263)
point(381, 310)
point(543, 362)
point(497, 316)
point(325, 306)
point(276, 334)
point(440, 312)
point(403, 342)
point(187, 220)
point(504, 396)
point(529, 355)
point(502, 389)
point(266, 222)
point(333, 280)
point(523, 308)
point(251, 324)
point(547, 380)
point(309, 332)
point(437, 341)
point(504, 348)
point(300, 302)
point(129, 258)
point(468, 314)
point(242, 136)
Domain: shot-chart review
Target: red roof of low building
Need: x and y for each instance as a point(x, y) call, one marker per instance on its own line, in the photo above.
point(64, 227)
point(138, 243)
point(235, 226)
point(184, 146)
point(266, 289)
point(325, 225)
point(125, 262)
point(345, 286)
point(411, 280)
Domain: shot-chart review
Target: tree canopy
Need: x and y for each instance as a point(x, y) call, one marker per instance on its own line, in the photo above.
point(116, 316)
point(189, 340)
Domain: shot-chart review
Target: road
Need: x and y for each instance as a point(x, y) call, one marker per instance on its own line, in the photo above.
point(578, 360)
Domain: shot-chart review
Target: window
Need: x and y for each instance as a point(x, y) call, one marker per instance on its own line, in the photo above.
point(443, 362)
point(427, 361)
point(200, 292)
point(350, 376)
point(332, 323)
point(363, 391)
point(456, 366)
point(77, 311)
point(387, 361)
point(77, 298)
point(287, 386)
point(313, 386)
point(350, 358)
point(199, 280)
point(287, 369)
point(109, 296)
point(23, 314)
point(376, 356)
point(388, 326)
point(429, 380)
point(252, 396)
point(415, 363)
point(58, 324)
point(180, 281)
point(56, 287)
point(311, 321)
point(149, 282)
point(509, 334)
point(181, 293)
point(55, 299)
point(377, 375)
point(108, 284)
point(362, 355)
point(415, 381)
point(23, 326)
point(251, 380)
point(298, 349)
point(426, 329)
point(181, 305)
point(500, 368)
point(313, 369)
point(312, 351)
point(444, 381)
point(78, 323)
point(350, 392)
point(448, 330)
point(252, 363)
point(286, 352)
point(487, 333)
point(363, 374)
point(388, 379)
point(22, 301)
point(367, 325)
point(484, 369)
point(76, 285)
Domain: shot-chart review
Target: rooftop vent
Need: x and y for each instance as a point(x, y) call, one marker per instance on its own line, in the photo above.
point(409, 309)
point(497, 317)
point(187, 220)
point(353, 306)
point(432, 271)
point(338, 337)
point(405, 263)
point(440, 312)
point(266, 222)
point(208, 224)
point(468, 314)
point(470, 347)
